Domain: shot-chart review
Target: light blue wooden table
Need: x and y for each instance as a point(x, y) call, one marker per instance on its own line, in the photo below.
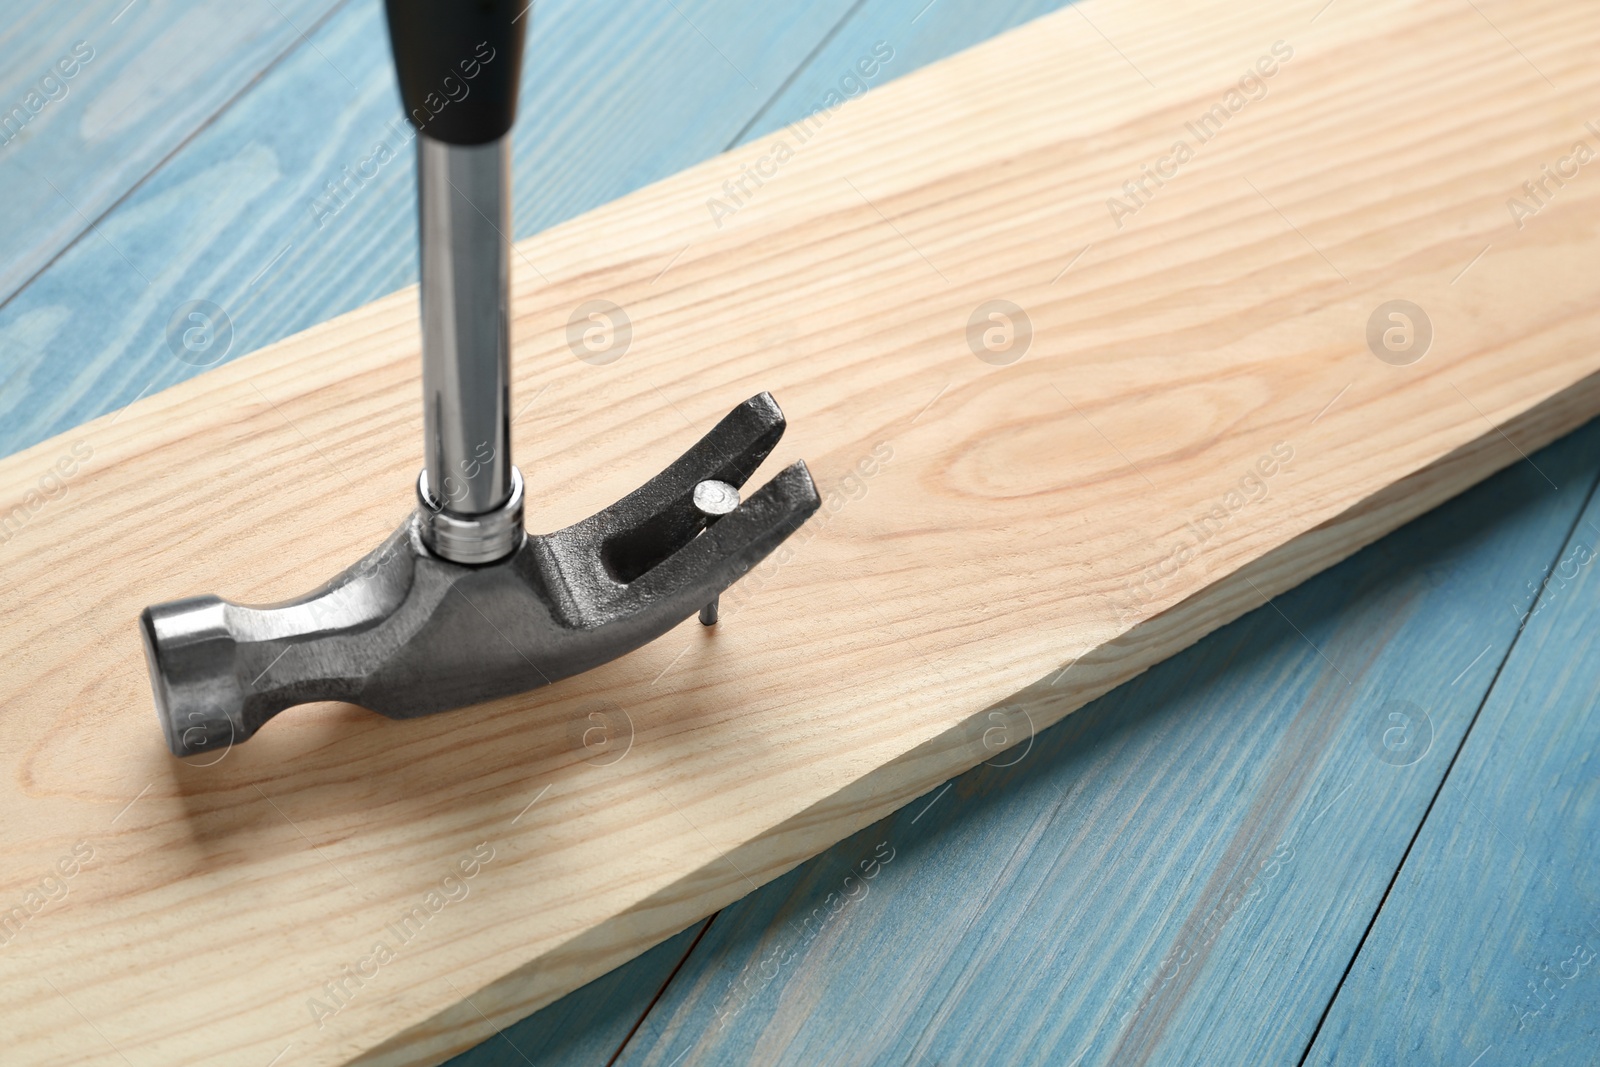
point(1360, 825)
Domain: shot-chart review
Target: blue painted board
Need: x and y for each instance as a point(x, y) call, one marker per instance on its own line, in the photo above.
point(1178, 873)
point(1487, 951)
point(912, 33)
point(252, 216)
point(94, 96)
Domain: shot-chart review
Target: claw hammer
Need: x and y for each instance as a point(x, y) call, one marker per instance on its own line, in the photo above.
point(460, 604)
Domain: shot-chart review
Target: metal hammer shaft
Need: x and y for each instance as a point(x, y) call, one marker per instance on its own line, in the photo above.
point(464, 208)
point(459, 65)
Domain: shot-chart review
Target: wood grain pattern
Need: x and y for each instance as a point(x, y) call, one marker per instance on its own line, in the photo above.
point(1488, 945)
point(1179, 872)
point(987, 551)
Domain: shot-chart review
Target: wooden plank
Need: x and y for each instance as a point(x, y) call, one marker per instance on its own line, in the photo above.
point(134, 82)
point(756, 746)
point(1486, 949)
point(615, 96)
point(1181, 871)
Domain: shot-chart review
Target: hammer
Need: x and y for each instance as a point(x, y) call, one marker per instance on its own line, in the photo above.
point(460, 604)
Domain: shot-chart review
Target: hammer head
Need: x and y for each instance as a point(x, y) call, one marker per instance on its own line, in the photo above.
point(406, 633)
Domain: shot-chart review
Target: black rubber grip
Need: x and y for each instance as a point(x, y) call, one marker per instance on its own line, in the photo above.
point(459, 63)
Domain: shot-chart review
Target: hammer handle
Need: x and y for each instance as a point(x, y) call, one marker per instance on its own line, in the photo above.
point(459, 64)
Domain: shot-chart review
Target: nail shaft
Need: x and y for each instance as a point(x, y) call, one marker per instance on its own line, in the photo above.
point(714, 499)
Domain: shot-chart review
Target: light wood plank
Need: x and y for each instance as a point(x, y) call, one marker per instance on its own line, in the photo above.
point(987, 551)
